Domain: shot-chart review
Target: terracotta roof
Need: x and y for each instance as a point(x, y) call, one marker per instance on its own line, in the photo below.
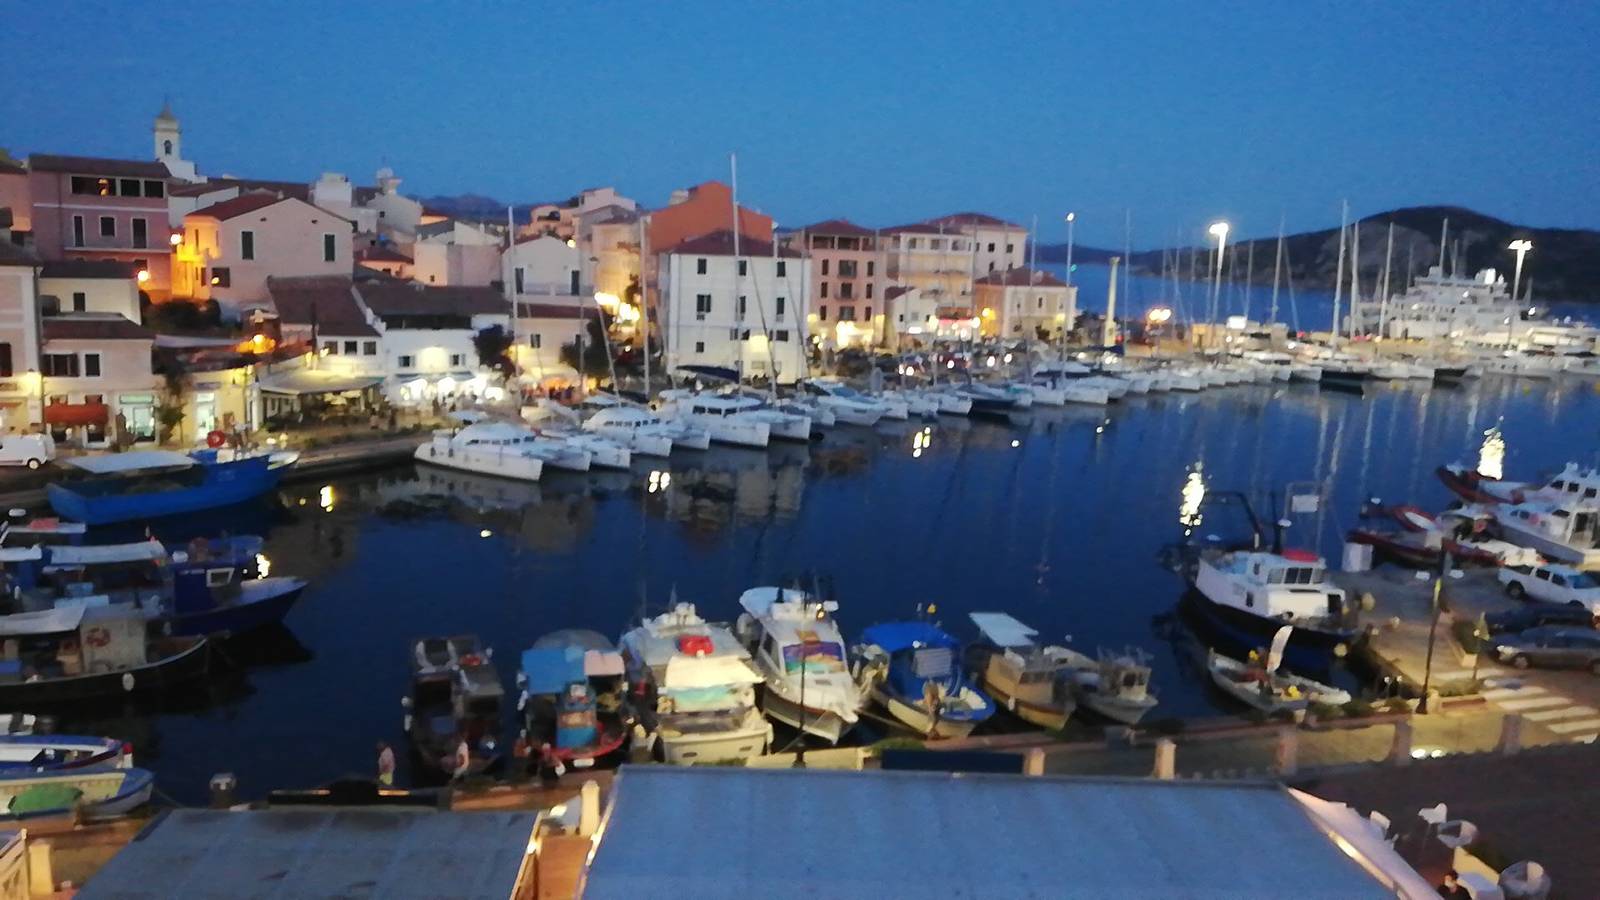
point(839, 227)
point(961, 219)
point(720, 243)
point(87, 268)
point(398, 298)
point(238, 206)
point(93, 327)
point(917, 228)
point(382, 254)
point(337, 312)
point(296, 189)
point(90, 165)
point(1022, 276)
point(553, 311)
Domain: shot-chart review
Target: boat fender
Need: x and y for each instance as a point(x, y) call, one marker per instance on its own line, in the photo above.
point(127, 681)
point(1011, 704)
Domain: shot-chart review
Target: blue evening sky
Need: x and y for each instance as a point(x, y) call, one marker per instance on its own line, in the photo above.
point(880, 111)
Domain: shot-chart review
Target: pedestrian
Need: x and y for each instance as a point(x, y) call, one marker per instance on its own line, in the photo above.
point(385, 764)
point(1453, 888)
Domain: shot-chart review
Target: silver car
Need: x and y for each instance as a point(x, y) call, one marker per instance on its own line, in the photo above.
point(1551, 647)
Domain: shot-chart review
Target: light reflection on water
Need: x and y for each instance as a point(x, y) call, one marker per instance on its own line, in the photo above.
point(1057, 519)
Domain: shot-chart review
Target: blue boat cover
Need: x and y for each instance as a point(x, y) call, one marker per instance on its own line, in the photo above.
point(895, 636)
point(550, 669)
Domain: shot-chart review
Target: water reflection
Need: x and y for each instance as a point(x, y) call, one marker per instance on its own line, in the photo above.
point(1193, 495)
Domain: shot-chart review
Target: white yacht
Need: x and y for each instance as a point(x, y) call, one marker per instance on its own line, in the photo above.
point(781, 425)
point(727, 420)
point(800, 405)
point(849, 405)
point(951, 402)
point(1474, 310)
point(797, 648)
point(1565, 530)
point(700, 702)
point(1254, 593)
point(489, 448)
point(643, 430)
point(917, 403)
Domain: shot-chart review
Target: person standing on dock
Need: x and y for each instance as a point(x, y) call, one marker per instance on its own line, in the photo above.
point(385, 764)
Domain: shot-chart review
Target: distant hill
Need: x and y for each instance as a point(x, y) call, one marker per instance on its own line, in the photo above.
point(475, 207)
point(1564, 264)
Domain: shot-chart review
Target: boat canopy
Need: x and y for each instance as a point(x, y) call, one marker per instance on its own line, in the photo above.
point(549, 669)
point(692, 672)
point(893, 636)
point(139, 551)
point(134, 461)
point(50, 621)
point(759, 602)
point(1002, 630)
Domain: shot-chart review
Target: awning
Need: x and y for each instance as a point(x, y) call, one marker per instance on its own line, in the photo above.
point(50, 621)
point(74, 414)
point(300, 382)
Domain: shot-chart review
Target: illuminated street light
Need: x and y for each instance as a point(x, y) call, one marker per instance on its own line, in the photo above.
point(143, 276)
point(1071, 217)
point(1158, 315)
point(176, 239)
point(1219, 230)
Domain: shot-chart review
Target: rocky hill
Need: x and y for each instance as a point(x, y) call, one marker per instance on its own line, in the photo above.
point(1564, 264)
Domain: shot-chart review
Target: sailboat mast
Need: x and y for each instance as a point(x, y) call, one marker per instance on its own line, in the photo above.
point(1277, 270)
point(1388, 263)
point(1338, 272)
point(1444, 241)
point(644, 306)
point(733, 194)
point(1355, 276)
point(1249, 274)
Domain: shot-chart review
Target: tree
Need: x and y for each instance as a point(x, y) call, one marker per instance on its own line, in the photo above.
point(494, 349)
point(595, 361)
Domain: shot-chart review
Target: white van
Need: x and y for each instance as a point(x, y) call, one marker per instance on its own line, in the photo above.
point(31, 450)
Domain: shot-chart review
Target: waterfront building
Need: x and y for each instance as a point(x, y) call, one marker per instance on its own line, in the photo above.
point(996, 244)
point(936, 262)
point(90, 285)
point(96, 377)
point(427, 337)
point(183, 199)
point(1023, 303)
point(104, 209)
point(230, 249)
point(610, 238)
point(701, 210)
point(542, 329)
point(452, 252)
point(848, 307)
point(20, 402)
point(549, 268)
point(914, 319)
point(744, 314)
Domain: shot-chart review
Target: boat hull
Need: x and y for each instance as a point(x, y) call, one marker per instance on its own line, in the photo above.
point(133, 790)
point(190, 660)
point(1311, 647)
point(684, 749)
point(1048, 716)
point(1123, 712)
point(225, 484)
point(268, 601)
point(514, 467)
point(918, 719)
point(825, 724)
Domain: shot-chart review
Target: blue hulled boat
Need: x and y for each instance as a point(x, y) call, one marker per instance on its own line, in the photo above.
point(913, 669)
point(147, 484)
point(93, 793)
point(572, 691)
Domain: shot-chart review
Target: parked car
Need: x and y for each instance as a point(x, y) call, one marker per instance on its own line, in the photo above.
point(1551, 647)
point(31, 450)
point(1536, 615)
point(1552, 583)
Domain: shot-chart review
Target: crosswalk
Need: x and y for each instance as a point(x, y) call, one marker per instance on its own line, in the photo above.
point(1554, 712)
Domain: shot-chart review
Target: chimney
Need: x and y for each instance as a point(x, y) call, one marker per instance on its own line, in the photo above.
point(678, 196)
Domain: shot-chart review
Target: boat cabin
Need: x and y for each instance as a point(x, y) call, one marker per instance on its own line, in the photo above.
point(1292, 584)
point(563, 687)
point(1574, 484)
point(1574, 524)
point(69, 642)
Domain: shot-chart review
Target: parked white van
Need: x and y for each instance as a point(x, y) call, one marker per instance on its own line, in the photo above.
point(31, 450)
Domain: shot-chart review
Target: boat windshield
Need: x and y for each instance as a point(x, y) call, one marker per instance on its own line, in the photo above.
point(845, 390)
point(1295, 575)
point(816, 657)
point(1583, 581)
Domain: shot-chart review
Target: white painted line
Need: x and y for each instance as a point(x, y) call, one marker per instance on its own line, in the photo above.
point(1534, 703)
point(1566, 712)
point(1506, 693)
point(1570, 727)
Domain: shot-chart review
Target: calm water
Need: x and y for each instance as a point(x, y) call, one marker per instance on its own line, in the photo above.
point(1057, 520)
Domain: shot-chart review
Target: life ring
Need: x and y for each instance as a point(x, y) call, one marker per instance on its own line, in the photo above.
point(216, 439)
point(97, 637)
point(471, 659)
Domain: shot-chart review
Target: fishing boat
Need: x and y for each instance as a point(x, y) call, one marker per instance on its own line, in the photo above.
point(212, 587)
point(1250, 594)
point(86, 794)
point(573, 688)
point(1024, 677)
point(695, 689)
point(797, 648)
point(914, 671)
point(455, 697)
point(79, 653)
point(62, 751)
point(726, 420)
point(1259, 683)
point(1572, 483)
point(147, 484)
point(1471, 544)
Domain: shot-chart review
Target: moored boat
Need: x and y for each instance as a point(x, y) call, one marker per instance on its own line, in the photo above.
point(62, 751)
point(79, 653)
point(1043, 683)
point(573, 693)
point(1252, 593)
point(1259, 682)
point(797, 648)
point(148, 484)
point(454, 703)
point(91, 793)
point(487, 448)
point(914, 671)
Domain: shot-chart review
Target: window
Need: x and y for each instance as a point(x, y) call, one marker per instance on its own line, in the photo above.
point(91, 365)
point(822, 314)
point(781, 335)
point(140, 233)
point(868, 313)
point(330, 347)
point(59, 365)
point(77, 231)
point(783, 269)
point(847, 313)
point(536, 341)
point(991, 246)
point(108, 226)
point(369, 348)
point(218, 577)
point(743, 265)
point(330, 248)
point(778, 306)
point(847, 268)
point(1010, 248)
point(5, 361)
point(88, 185)
point(128, 187)
point(699, 346)
point(702, 305)
point(157, 189)
point(1041, 303)
point(825, 268)
point(824, 290)
point(847, 290)
point(741, 306)
point(221, 277)
point(80, 301)
point(456, 359)
point(572, 283)
point(519, 275)
point(869, 268)
point(350, 348)
point(247, 245)
point(700, 266)
point(869, 290)
point(406, 362)
point(912, 244)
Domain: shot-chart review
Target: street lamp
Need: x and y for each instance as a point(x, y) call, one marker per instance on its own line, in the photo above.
point(1521, 247)
point(1219, 230)
point(1071, 218)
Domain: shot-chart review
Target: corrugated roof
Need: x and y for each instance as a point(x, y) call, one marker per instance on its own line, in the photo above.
point(336, 311)
point(317, 854)
point(395, 298)
point(93, 327)
point(87, 268)
point(93, 165)
point(720, 243)
point(878, 834)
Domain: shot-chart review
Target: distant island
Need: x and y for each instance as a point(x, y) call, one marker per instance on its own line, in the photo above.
point(1564, 264)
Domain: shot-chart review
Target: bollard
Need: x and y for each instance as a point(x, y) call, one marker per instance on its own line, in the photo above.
point(589, 808)
point(1166, 759)
point(1511, 734)
point(41, 872)
point(1033, 761)
point(223, 785)
point(1400, 751)
point(1287, 757)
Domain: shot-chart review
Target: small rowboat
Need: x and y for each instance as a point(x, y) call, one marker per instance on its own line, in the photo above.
point(1266, 688)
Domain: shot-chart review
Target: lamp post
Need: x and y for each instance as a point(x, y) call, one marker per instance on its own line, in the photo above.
point(1521, 247)
point(1219, 230)
point(1071, 218)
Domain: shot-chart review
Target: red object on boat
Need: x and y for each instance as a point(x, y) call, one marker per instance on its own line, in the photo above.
point(1466, 485)
point(695, 644)
point(1305, 556)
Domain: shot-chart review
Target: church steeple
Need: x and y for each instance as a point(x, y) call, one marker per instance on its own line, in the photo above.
point(168, 136)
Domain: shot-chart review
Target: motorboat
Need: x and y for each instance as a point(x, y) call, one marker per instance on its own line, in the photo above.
point(603, 452)
point(820, 416)
point(62, 751)
point(456, 698)
point(849, 406)
point(1473, 543)
point(1249, 594)
point(697, 701)
point(148, 484)
point(951, 402)
point(1573, 483)
point(88, 794)
point(914, 671)
point(1024, 677)
point(800, 654)
point(77, 653)
point(917, 403)
point(645, 432)
point(1564, 531)
point(1188, 381)
point(488, 448)
point(573, 697)
point(212, 587)
point(987, 399)
point(1260, 683)
point(726, 420)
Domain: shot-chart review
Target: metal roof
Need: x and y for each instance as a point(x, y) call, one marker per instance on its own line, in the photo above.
point(343, 853)
point(931, 834)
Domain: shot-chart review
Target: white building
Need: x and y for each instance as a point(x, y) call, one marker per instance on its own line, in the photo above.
point(997, 245)
point(1022, 303)
point(747, 314)
point(427, 337)
point(91, 285)
point(547, 267)
point(456, 253)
